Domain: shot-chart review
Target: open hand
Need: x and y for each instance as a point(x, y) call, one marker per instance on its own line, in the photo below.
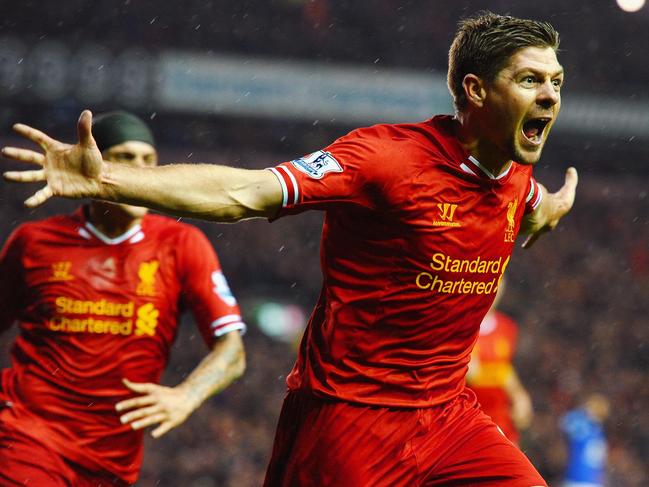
point(71, 171)
point(167, 407)
point(554, 207)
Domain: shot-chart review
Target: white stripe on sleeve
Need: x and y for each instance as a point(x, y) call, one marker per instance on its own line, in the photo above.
point(282, 183)
point(296, 190)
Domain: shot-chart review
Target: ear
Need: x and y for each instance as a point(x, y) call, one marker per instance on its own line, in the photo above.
point(474, 90)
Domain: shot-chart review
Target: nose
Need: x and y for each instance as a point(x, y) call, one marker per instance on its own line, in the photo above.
point(548, 95)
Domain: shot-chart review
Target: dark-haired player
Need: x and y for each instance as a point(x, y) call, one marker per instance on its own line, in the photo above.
point(420, 224)
point(97, 296)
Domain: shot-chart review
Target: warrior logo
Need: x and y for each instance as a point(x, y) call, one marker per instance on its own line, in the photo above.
point(61, 271)
point(446, 215)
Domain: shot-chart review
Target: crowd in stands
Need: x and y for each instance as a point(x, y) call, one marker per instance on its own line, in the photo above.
point(601, 44)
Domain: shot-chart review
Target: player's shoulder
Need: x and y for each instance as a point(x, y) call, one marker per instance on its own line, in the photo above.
point(169, 229)
point(45, 225)
point(417, 133)
point(523, 170)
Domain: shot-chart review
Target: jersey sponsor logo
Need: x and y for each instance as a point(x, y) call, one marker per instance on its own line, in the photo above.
point(446, 215)
point(107, 317)
point(222, 289)
point(147, 320)
point(511, 221)
point(318, 164)
point(147, 274)
point(441, 262)
point(101, 307)
point(61, 271)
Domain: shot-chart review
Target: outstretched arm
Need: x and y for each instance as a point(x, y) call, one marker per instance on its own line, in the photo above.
point(204, 191)
point(169, 407)
point(552, 208)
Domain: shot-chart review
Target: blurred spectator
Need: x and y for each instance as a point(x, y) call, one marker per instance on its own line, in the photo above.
point(584, 431)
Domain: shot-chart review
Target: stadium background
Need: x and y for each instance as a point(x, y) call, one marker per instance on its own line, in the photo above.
point(255, 82)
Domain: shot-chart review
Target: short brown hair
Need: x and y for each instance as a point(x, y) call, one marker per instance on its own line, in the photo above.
point(483, 44)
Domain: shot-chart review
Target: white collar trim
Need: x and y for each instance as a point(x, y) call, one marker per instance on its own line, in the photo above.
point(487, 172)
point(131, 232)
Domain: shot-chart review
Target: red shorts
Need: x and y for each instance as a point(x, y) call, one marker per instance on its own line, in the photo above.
point(25, 461)
point(320, 443)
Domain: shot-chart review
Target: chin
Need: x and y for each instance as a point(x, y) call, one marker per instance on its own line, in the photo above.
point(527, 157)
point(135, 211)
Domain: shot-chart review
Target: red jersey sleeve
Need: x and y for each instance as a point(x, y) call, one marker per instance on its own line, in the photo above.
point(205, 290)
point(10, 259)
point(355, 169)
point(534, 196)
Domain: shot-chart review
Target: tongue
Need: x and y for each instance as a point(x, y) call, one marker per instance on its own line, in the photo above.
point(531, 131)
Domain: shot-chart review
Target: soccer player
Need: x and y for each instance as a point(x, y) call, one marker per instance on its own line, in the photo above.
point(420, 223)
point(587, 449)
point(97, 296)
point(492, 375)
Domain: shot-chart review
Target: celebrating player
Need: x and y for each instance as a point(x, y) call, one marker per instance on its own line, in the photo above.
point(492, 375)
point(419, 227)
point(97, 296)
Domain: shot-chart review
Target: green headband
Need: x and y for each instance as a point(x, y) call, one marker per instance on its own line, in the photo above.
point(114, 128)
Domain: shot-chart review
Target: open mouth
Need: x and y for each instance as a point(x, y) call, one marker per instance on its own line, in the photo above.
point(533, 129)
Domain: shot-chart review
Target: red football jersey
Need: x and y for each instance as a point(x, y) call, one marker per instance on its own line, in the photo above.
point(491, 367)
point(416, 238)
point(93, 310)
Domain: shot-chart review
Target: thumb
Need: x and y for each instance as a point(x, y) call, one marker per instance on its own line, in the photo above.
point(567, 193)
point(137, 386)
point(84, 130)
point(571, 180)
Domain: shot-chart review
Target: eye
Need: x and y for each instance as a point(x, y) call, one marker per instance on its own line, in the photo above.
point(557, 82)
point(150, 160)
point(529, 80)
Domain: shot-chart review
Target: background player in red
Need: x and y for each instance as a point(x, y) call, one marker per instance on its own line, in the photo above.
point(419, 228)
point(492, 375)
point(97, 296)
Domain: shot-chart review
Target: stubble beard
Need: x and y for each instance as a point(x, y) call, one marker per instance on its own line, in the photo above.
point(527, 158)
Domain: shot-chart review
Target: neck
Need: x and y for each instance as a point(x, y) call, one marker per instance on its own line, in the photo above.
point(111, 219)
point(471, 136)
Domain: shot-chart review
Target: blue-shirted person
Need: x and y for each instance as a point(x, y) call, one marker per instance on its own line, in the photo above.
point(587, 447)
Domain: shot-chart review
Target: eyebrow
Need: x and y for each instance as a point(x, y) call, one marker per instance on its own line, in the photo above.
point(537, 71)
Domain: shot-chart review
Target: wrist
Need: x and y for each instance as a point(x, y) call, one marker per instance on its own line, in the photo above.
point(192, 399)
point(108, 182)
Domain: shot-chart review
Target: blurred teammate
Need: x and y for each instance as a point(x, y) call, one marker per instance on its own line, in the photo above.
point(420, 224)
point(97, 296)
point(492, 375)
point(583, 427)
